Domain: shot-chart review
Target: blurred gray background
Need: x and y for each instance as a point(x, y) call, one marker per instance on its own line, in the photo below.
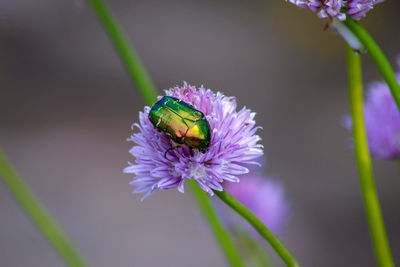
point(66, 106)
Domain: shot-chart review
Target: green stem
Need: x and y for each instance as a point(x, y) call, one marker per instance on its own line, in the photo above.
point(379, 58)
point(222, 236)
point(126, 52)
point(254, 249)
point(259, 226)
point(371, 202)
point(148, 91)
point(38, 214)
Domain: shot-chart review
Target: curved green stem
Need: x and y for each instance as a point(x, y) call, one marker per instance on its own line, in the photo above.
point(252, 246)
point(222, 236)
point(126, 52)
point(377, 55)
point(371, 201)
point(38, 214)
point(259, 226)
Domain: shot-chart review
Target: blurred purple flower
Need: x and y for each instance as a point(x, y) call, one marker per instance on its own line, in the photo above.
point(356, 9)
point(264, 197)
point(382, 121)
point(234, 144)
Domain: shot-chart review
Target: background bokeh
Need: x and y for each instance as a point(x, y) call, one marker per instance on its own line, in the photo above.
point(66, 106)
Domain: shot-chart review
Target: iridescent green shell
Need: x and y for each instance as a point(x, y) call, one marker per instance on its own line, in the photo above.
point(181, 122)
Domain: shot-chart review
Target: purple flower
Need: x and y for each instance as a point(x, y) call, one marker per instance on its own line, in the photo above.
point(234, 145)
point(356, 9)
point(331, 8)
point(382, 121)
point(313, 5)
point(264, 197)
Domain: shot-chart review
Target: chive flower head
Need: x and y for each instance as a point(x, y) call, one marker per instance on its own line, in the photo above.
point(338, 9)
point(233, 146)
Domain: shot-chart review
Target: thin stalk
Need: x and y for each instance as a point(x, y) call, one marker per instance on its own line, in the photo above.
point(378, 57)
point(371, 201)
point(148, 91)
point(38, 214)
point(259, 226)
point(259, 256)
point(126, 52)
point(222, 236)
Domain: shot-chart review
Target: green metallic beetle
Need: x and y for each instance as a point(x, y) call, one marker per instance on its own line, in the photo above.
point(182, 123)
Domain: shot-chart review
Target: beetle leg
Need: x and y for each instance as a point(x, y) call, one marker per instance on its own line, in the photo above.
point(169, 149)
point(191, 151)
